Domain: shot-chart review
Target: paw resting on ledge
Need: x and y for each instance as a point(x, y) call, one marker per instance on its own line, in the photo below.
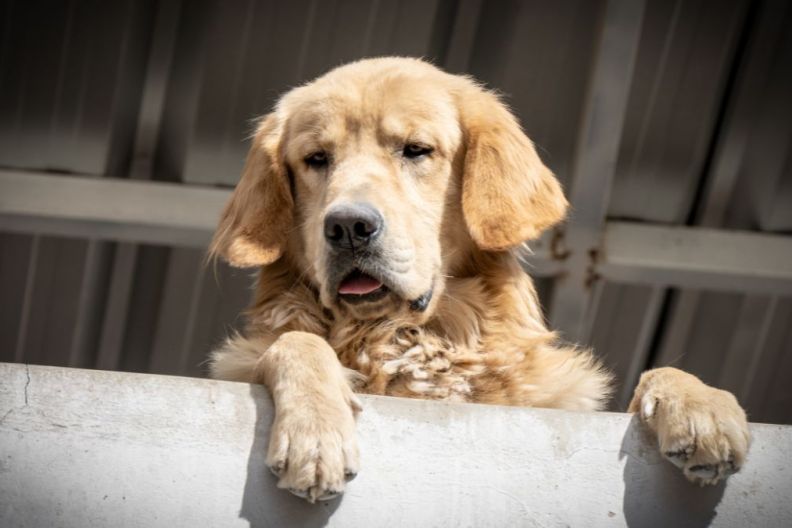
point(700, 429)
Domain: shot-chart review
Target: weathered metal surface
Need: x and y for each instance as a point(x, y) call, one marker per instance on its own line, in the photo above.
point(709, 259)
point(153, 212)
point(82, 448)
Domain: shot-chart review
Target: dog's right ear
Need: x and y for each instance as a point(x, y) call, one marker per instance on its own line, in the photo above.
point(508, 194)
point(256, 221)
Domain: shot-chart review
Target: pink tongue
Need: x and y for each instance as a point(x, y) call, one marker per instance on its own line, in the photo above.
point(359, 285)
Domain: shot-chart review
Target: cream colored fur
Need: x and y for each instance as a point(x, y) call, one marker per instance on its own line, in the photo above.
point(456, 219)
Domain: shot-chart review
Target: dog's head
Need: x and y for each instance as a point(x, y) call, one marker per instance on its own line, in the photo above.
point(379, 178)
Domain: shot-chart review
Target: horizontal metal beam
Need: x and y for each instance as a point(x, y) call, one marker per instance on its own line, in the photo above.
point(698, 258)
point(113, 209)
point(81, 447)
point(186, 215)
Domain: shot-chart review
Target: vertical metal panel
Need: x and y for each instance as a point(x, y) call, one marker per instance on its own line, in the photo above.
point(767, 164)
point(108, 354)
point(622, 332)
point(202, 305)
point(144, 308)
point(90, 304)
point(15, 256)
point(183, 91)
point(54, 300)
point(769, 397)
point(65, 81)
point(456, 58)
point(220, 304)
point(540, 59)
point(684, 59)
point(174, 324)
point(741, 356)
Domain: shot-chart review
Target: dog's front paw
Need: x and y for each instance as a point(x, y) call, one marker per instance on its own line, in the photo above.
point(313, 447)
point(700, 429)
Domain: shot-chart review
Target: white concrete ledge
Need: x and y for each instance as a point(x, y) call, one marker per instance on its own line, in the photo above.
point(85, 448)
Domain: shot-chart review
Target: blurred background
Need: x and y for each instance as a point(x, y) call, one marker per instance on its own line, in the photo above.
point(123, 126)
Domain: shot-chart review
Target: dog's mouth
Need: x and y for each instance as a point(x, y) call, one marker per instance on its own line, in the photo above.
point(358, 287)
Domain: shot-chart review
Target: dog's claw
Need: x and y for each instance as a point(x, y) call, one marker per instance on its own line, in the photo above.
point(278, 469)
point(303, 494)
point(680, 457)
point(330, 496)
point(310, 494)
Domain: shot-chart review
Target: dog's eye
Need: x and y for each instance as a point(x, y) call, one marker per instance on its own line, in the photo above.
point(415, 150)
point(316, 160)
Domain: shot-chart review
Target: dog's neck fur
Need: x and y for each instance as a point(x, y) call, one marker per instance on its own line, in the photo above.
point(459, 353)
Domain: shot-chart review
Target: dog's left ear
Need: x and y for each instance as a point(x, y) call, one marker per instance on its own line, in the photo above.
point(508, 195)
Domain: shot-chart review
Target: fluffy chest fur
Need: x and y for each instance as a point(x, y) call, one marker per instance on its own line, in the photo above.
point(403, 360)
point(486, 343)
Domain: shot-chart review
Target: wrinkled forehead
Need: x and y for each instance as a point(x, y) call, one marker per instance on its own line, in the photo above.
point(391, 112)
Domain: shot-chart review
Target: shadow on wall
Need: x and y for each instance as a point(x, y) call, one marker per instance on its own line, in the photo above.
point(661, 497)
point(260, 506)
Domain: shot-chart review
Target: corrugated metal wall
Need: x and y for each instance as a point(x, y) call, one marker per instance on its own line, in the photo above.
point(165, 90)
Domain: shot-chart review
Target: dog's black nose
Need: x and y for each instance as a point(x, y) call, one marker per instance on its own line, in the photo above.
point(353, 225)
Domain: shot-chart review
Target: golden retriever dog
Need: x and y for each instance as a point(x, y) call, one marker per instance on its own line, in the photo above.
point(385, 205)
